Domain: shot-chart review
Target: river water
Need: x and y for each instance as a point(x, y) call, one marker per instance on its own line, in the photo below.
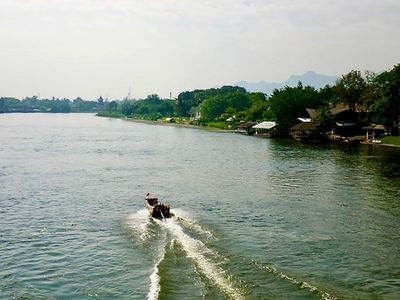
point(254, 218)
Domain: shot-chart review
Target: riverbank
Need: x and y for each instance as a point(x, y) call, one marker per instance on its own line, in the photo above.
point(165, 123)
point(389, 141)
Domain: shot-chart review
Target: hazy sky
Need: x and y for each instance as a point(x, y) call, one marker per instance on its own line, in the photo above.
point(89, 48)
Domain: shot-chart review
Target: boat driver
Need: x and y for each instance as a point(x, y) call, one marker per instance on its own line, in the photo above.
point(150, 199)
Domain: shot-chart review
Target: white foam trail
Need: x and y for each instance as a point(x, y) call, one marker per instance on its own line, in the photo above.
point(138, 222)
point(195, 250)
point(187, 221)
point(155, 286)
point(302, 284)
point(182, 213)
point(155, 281)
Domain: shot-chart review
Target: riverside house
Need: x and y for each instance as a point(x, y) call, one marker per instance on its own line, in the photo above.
point(303, 129)
point(245, 128)
point(345, 125)
point(374, 132)
point(194, 113)
point(264, 129)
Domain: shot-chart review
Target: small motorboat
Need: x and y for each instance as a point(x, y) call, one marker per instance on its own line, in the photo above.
point(157, 209)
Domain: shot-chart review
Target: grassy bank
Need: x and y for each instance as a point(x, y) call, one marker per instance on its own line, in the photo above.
point(111, 114)
point(392, 140)
point(179, 122)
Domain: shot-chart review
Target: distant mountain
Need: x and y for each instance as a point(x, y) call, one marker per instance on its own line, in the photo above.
point(309, 78)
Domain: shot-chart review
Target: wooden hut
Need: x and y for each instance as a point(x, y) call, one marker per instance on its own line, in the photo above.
point(245, 128)
point(304, 130)
point(264, 129)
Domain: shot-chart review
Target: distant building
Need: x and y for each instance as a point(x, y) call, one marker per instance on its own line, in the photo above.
point(195, 113)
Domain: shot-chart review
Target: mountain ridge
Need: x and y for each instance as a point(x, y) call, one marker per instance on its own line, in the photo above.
point(310, 78)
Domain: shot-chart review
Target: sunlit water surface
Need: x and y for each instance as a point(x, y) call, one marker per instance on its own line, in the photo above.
point(254, 218)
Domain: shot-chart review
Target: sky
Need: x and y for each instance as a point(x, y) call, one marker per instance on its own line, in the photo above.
point(108, 48)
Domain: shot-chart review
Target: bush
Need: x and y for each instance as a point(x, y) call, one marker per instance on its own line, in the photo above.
point(220, 125)
point(110, 114)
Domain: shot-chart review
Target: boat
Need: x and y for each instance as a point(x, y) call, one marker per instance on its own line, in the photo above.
point(157, 209)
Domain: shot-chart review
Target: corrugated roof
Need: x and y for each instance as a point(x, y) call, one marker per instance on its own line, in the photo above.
point(304, 120)
point(345, 124)
point(265, 125)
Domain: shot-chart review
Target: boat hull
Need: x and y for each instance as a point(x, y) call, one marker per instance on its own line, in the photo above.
point(159, 211)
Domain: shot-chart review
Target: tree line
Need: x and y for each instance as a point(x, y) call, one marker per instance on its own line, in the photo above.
point(376, 95)
point(34, 104)
point(150, 108)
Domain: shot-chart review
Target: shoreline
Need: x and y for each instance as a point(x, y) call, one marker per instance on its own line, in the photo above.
point(380, 145)
point(214, 129)
point(172, 124)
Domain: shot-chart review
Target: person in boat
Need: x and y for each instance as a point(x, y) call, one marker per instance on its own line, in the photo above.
point(150, 199)
point(157, 209)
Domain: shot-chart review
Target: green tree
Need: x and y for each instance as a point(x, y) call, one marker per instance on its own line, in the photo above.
point(213, 107)
point(112, 106)
point(187, 100)
point(153, 99)
point(126, 107)
point(6, 104)
point(384, 101)
point(238, 101)
point(324, 119)
point(350, 88)
point(259, 109)
point(289, 103)
point(184, 102)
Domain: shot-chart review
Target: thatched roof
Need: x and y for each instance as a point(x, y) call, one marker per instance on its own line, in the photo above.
point(375, 127)
point(245, 125)
point(337, 110)
point(304, 126)
point(312, 112)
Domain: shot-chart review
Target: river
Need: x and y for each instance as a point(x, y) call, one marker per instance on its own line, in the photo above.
point(254, 218)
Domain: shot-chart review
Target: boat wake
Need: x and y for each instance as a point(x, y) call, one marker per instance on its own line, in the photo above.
point(302, 284)
point(187, 222)
point(206, 261)
point(155, 280)
point(139, 223)
point(210, 264)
